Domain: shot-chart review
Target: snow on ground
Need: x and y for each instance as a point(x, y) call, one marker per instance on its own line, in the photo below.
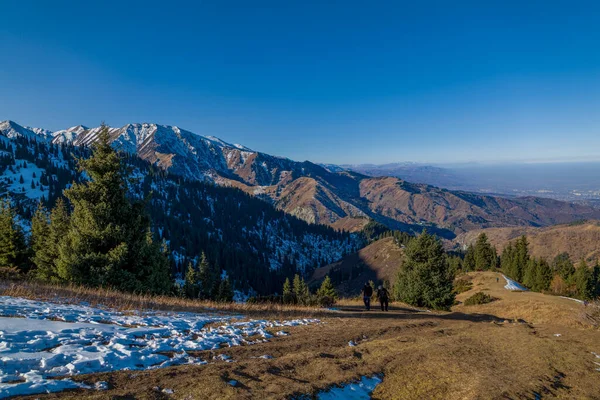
point(570, 298)
point(512, 285)
point(42, 341)
point(29, 174)
point(353, 391)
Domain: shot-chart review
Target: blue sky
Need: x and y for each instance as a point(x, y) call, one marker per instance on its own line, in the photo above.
point(327, 81)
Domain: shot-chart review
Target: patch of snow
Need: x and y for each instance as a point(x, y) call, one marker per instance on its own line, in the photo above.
point(512, 285)
point(360, 390)
point(352, 343)
point(41, 343)
point(233, 382)
point(28, 176)
point(570, 298)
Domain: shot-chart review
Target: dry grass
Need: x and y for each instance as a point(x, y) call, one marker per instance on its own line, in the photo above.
point(530, 306)
point(522, 346)
point(471, 353)
point(127, 301)
point(591, 314)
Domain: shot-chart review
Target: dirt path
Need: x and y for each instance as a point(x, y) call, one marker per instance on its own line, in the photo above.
point(481, 352)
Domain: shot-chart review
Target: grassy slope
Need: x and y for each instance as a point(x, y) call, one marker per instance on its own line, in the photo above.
point(505, 349)
point(378, 261)
point(579, 240)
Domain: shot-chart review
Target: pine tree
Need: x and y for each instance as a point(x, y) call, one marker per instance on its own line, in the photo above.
point(596, 279)
point(225, 291)
point(470, 263)
point(327, 293)
point(530, 274)
point(583, 281)
point(506, 260)
point(204, 277)
point(13, 249)
point(485, 254)
point(301, 291)
point(39, 242)
point(190, 287)
point(288, 295)
point(46, 252)
point(520, 259)
point(543, 276)
point(109, 241)
point(563, 266)
point(424, 279)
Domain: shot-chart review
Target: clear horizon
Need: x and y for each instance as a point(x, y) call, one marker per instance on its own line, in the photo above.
point(341, 83)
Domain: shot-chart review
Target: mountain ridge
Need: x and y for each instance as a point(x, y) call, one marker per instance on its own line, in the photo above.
point(315, 193)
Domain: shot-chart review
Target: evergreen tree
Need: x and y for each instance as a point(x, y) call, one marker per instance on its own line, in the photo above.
point(583, 281)
point(204, 277)
point(507, 260)
point(424, 279)
point(543, 276)
point(301, 291)
point(225, 291)
point(39, 242)
point(13, 249)
point(596, 279)
point(327, 293)
point(109, 241)
point(530, 274)
point(288, 295)
point(485, 255)
point(470, 264)
point(191, 287)
point(520, 259)
point(563, 266)
point(46, 249)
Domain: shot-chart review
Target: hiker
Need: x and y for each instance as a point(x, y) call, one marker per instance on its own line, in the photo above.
point(384, 297)
point(367, 293)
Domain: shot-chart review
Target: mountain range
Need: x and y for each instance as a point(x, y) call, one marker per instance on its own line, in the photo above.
point(337, 197)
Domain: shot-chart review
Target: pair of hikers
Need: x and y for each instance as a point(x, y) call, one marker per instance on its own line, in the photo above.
point(382, 295)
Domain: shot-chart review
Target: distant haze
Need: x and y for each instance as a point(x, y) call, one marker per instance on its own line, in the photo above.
point(579, 181)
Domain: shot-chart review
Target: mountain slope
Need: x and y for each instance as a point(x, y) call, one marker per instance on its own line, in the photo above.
point(256, 244)
point(379, 261)
point(580, 240)
point(316, 194)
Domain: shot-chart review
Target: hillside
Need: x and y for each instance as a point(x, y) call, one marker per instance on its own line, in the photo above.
point(257, 245)
point(580, 240)
point(523, 345)
point(342, 199)
point(379, 261)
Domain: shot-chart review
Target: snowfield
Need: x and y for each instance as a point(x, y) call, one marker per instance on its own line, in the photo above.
point(42, 341)
point(512, 285)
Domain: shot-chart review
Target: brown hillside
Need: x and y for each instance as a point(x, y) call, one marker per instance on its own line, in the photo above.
point(579, 240)
point(378, 261)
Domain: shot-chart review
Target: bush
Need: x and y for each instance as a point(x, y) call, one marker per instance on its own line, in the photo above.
point(10, 273)
point(478, 298)
point(462, 285)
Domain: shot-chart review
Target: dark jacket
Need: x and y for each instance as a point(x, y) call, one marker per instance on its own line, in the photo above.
point(383, 294)
point(367, 291)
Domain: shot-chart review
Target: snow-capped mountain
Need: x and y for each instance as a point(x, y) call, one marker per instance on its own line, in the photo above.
point(256, 244)
point(326, 194)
